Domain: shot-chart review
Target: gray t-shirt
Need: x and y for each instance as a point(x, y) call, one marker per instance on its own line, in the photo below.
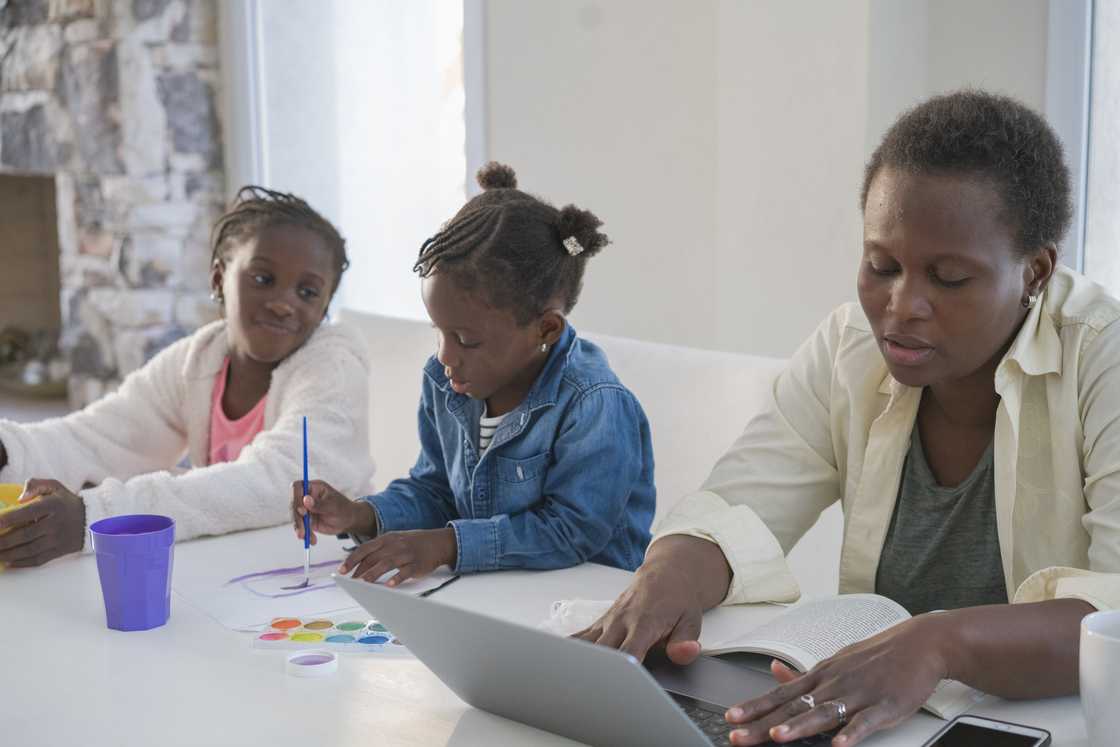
point(942, 547)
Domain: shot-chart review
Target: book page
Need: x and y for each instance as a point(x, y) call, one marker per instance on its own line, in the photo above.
point(811, 631)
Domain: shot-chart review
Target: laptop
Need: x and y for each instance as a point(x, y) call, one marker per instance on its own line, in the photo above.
point(580, 690)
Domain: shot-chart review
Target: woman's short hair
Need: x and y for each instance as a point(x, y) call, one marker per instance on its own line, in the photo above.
point(974, 133)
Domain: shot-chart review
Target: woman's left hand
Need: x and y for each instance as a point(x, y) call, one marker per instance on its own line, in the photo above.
point(879, 682)
point(44, 529)
point(414, 553)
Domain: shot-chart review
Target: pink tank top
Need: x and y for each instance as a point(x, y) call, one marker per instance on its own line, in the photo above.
point(229, 437)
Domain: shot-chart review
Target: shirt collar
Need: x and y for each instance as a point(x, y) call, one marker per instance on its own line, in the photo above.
point(1037, 349)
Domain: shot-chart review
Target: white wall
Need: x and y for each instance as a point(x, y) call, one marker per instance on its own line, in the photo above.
point(792, 90)
point(723, 141)
point(611, 105)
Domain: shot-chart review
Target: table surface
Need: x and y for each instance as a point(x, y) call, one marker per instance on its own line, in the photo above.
point(66, 679)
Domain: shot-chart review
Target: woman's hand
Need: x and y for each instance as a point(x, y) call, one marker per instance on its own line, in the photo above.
point(880, 682)
point(414, 554)
point(331, 511)
point(681, 577)
point(44, 529)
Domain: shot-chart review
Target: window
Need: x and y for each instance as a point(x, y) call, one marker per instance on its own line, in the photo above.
point(357, 106)
point(1102, 215)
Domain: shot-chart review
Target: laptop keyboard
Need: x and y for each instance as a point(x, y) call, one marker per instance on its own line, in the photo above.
point(709, 718)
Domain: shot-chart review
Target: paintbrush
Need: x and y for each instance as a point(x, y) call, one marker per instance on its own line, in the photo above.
point(306, 516)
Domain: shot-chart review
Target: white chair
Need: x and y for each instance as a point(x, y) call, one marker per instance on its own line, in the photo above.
point(697, 402)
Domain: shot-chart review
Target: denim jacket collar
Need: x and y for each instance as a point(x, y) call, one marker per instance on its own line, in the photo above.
point(544, 393)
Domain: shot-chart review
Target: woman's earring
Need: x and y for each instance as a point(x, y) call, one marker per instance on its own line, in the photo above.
point(1030, 301)
point(544, 347)
point(215, 296)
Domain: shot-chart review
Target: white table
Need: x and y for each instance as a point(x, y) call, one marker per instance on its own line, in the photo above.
point(66, 679)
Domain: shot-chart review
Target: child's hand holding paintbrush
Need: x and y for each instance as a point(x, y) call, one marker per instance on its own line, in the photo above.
point(331, 512)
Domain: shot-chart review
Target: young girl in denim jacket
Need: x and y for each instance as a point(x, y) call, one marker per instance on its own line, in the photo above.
point(532, 453)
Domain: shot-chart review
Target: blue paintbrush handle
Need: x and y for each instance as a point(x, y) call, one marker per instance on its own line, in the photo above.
point(306, 516)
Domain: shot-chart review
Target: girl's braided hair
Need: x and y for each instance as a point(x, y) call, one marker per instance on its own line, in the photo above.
point(519, 250)
point(256, 208)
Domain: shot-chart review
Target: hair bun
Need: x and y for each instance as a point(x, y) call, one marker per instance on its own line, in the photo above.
point(583, 226)
point(496, 175)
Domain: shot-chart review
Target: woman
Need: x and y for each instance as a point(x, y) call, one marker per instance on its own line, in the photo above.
point(966, 416)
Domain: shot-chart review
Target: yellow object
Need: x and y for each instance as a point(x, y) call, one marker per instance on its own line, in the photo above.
point(307, 637)
point(9, 501)
point(9, 494)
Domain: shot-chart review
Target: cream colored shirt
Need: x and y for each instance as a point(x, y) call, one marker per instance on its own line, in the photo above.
point(838, 427)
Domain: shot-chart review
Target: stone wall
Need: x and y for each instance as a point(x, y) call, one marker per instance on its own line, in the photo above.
point(118, 100)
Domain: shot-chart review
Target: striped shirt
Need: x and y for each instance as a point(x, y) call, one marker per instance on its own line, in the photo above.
point(486, 428)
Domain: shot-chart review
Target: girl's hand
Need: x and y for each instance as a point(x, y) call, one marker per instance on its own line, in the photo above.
point(880, 682)
point(415, 554)
point(660, 606)
point(331, 511)
point(48, 528)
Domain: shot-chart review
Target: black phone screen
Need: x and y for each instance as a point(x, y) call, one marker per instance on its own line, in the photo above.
point(971, 735)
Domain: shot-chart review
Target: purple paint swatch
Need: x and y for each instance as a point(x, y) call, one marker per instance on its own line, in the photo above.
point(311, 660)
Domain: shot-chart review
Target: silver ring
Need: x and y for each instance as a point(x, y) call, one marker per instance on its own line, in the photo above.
point(841, 711)
point(807, 699)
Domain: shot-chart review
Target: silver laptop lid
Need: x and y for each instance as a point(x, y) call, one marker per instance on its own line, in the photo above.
point(570, 687)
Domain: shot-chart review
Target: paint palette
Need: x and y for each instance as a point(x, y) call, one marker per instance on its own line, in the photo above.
point(344, 635)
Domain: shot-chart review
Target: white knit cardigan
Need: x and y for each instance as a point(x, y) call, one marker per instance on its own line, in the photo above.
point(128, 443)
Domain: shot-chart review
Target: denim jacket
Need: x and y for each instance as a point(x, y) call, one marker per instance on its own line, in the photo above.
point(567, 478)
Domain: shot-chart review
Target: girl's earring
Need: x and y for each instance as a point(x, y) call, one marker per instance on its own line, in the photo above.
point(544, 347)
point(215, 296)
point(1030, 301)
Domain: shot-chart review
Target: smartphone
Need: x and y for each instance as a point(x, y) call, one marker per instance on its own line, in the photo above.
point(977, 731)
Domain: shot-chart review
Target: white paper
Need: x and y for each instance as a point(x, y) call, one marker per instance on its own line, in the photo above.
point(242, 586)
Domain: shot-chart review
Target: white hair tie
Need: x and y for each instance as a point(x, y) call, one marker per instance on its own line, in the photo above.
point(573, 246)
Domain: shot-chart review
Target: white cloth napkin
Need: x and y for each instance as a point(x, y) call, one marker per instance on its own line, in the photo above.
point(569, 616)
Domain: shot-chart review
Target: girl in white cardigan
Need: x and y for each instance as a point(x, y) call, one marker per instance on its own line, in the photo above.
point(231, 396)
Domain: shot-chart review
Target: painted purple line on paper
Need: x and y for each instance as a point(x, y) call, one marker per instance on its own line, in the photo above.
point(278, 582)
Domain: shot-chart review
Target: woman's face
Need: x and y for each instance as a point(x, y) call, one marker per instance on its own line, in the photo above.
point(941, 280)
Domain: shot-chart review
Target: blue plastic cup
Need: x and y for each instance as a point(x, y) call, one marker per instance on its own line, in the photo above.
point(134, 559)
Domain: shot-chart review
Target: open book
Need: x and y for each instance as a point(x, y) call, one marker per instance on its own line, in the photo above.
point(812, 631)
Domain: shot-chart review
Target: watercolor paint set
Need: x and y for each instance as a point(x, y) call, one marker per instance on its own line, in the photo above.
point(344, 635)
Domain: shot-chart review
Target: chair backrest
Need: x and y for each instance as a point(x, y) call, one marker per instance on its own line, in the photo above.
point(697, 402)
